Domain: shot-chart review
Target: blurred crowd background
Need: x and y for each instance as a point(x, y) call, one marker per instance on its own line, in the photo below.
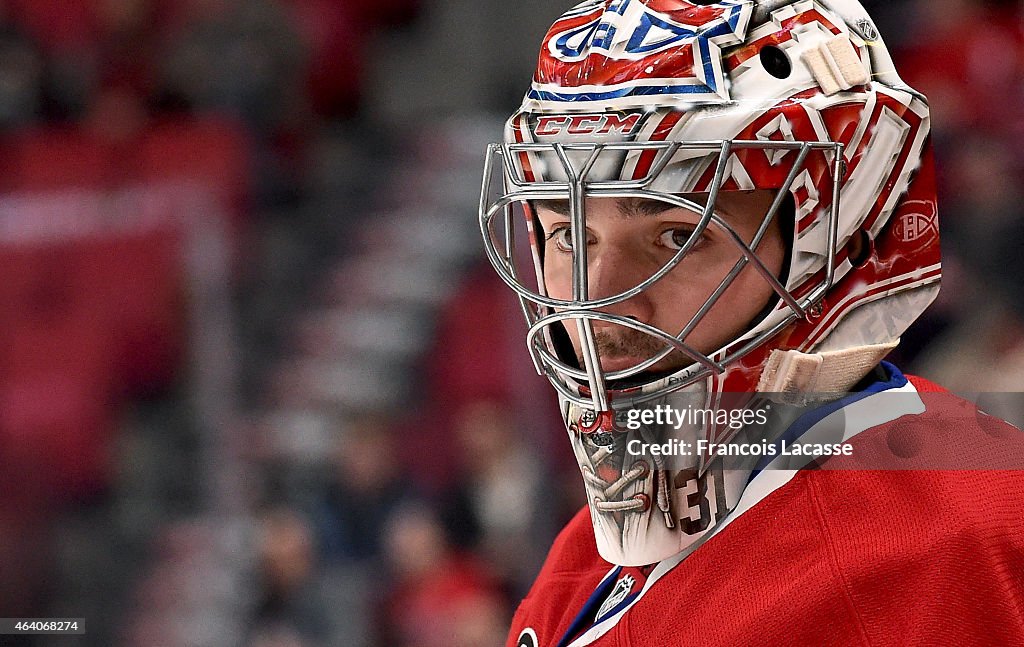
point(257, 384)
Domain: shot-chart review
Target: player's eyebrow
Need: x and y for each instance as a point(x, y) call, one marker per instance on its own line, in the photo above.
point(641, 207)
point(628, 207)
point(561, 207)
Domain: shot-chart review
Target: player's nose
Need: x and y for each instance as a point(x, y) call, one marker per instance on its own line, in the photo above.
point(614, 270)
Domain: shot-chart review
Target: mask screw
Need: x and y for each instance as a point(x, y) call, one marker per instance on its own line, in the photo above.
point(815, 311)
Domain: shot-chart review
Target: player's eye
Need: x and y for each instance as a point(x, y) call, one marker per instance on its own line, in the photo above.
point(561, 236)
point(675, 238)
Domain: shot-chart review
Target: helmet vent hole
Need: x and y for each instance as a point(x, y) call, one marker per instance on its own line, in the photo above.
point(860, 248)
point(775, 62)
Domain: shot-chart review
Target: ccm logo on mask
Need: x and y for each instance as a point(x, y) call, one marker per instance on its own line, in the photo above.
point(587, 125)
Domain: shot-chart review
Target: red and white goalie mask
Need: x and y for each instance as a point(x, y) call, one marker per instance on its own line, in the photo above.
point(696, 203)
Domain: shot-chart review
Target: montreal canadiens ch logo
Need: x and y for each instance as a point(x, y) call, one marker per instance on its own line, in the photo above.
point(919, 221)
point(528, 639)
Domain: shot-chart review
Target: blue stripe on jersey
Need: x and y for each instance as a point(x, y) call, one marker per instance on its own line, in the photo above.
point(895, 380)
point(585, 618)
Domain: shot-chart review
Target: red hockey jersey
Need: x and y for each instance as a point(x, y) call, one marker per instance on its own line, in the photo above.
point(918, 556)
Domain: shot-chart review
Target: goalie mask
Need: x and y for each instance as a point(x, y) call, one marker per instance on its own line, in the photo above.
point(698, 202)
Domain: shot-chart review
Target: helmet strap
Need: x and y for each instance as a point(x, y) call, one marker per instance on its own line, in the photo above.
point(799, 378)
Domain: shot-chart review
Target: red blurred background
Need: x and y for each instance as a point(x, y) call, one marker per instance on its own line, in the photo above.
point(258, 386)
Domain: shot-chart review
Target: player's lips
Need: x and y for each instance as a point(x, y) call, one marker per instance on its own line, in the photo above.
point(660, 369)
point(619, 363)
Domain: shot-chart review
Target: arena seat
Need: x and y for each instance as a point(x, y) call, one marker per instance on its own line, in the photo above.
point(213, 152)
point(56, 373)
point(49, 159)
point(138, 280)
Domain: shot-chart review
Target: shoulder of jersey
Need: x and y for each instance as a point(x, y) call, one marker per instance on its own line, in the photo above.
point(574, 551)
point(951, 434)
point(570, 573)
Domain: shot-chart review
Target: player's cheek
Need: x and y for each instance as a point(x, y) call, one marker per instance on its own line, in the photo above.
point(749, 295)
point(557, 276)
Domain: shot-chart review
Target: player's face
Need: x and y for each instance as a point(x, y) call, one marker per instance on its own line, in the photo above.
point(630, 239)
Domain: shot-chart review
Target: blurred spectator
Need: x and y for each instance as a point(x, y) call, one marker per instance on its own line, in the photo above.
point(291, 605)
point(364, 489)
point(982, 357)
point(984, 221)
point(342, 31)
point(21, 74)
point(439, 598)
point(241, 57)
point(496, 506)
point(278, 636)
